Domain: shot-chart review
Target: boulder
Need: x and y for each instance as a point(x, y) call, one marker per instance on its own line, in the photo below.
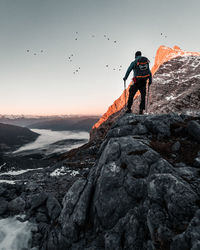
point(193, 129)
point(53, 207)
point(17, 205)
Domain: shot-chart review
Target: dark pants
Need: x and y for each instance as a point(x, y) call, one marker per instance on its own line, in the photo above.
point(141, 86)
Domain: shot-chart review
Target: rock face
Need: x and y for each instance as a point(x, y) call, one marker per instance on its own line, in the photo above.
point(175, 88)
point(140, 194)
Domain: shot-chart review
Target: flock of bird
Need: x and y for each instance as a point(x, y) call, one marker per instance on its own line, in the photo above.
point(71, 56)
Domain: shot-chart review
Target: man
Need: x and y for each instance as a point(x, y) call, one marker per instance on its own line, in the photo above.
point(142, 73)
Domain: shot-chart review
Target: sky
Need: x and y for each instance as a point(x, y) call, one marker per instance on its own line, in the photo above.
point(38, 37)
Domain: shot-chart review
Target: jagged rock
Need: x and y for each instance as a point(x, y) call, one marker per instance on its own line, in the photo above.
point(197, 162)
point(53, 207)
point(38, 200)
point(193, 129)
point(40, 217)
point(176, 146)
point(132, 198)
point(17, 205)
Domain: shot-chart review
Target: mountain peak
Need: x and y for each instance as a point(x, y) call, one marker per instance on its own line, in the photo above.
point(176, 47)
point(163, 55)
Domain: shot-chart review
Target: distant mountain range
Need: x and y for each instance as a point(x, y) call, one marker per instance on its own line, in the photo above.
point(59, 123)
point(72, 124)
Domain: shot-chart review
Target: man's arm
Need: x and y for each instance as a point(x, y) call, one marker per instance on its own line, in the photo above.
point(131, 67)
point(150, 78)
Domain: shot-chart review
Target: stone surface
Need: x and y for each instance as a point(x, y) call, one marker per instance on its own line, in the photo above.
point(133, 198)
point(17, 205)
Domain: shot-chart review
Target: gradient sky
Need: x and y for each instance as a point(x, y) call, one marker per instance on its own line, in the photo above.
point(45, 84)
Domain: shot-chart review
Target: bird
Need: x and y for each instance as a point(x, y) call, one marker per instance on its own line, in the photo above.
point(107, 65)
point(35, 54)
point(161, 34)
point(41, 50)
point(104, 35)
point(76, 39)
point(108, 38)
point(115, 41)
point(120, 66)
point(27, 50)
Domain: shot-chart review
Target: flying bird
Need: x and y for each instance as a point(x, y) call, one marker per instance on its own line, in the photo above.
point(41, 50)
point(115, 41)
point(27, 50)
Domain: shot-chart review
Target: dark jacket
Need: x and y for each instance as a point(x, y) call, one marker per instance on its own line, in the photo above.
point(132, 67)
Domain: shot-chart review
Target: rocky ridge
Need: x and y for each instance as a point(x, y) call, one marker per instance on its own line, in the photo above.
point(175, 88)
point(142, 192)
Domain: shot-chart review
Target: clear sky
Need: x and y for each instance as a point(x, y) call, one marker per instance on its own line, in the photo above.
point(44, 83)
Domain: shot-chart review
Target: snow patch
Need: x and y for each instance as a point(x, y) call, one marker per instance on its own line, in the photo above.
point(64, 171)
point(169, 98)
point(2, 165)
point(18, 172)
point(7, 181)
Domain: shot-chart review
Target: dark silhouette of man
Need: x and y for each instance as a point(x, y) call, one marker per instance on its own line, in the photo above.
point(141, 73)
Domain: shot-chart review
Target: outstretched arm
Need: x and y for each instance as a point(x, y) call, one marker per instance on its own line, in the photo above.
point(150, 78)
point(128, 71)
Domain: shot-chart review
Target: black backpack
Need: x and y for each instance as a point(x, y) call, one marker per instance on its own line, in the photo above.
point(142, 67)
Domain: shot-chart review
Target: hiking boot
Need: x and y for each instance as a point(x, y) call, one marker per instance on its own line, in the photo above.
point(141, 112)
point(128, 111)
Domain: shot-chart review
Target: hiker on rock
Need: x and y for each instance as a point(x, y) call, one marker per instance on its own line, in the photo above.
point(142, 73)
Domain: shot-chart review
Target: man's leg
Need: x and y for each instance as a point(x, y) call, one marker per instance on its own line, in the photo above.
point(132, 91)
point(142, 89)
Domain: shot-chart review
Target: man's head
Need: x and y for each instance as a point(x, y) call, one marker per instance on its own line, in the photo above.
point(138, 53)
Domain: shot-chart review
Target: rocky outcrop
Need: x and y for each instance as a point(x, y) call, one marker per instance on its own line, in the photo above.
point(142, 193)
point(175, 88)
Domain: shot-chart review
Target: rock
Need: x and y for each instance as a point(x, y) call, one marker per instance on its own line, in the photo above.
point(133, 197)
point(3, 206)
point(197, 162)
point(193, 129)
point(2, 190)
point(17, 205)
point(40, 217)
point(176, 146)
point(53, 207)
point(38, 200)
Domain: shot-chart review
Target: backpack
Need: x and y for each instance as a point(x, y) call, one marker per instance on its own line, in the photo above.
point(142, 67)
